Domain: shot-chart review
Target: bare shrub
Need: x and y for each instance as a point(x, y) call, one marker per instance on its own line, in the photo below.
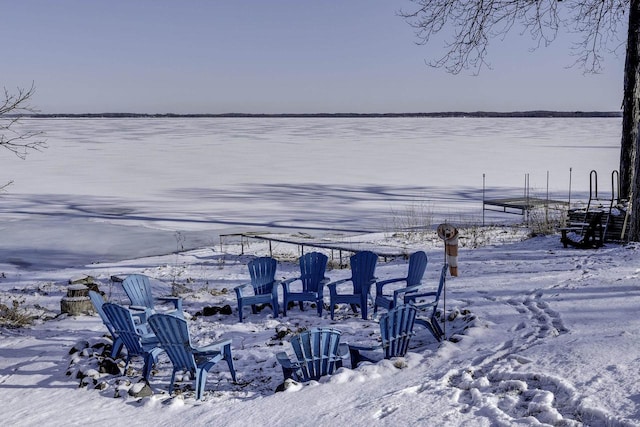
point(14, 315)
point(544, 221)
point(413, 222)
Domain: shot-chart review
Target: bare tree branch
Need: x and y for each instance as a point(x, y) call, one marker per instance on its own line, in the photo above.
point(4, 186)
point(598, 21)
point(12, 108)
point(469, 25)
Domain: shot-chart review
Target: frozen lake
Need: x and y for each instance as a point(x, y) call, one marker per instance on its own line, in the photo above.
point(205, 176)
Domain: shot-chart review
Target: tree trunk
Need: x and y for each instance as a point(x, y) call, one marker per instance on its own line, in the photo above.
point(629, 159)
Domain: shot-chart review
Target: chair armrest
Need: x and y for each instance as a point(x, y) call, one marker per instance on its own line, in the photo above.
point(239, 288)
point(343, 350)
point(289, 369)
point(407, 290)
point(412, 297)
point(284, 360)
point(356, 357)
point(143, 329)
point(286, 282)
point(425, 305)
point(382, 283)
point(177, 301)
point(140, 314)
point(149, 339)
point(338, 282)
point(139, 317)
point(216, 347)
point(364, 347)
point(332, 286)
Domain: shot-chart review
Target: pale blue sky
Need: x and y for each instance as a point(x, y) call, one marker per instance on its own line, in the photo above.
point(271, 56)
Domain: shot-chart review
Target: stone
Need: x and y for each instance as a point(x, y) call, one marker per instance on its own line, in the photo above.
point(79, 346)
point(110, 366)
point(213, 310)
point(140, 389)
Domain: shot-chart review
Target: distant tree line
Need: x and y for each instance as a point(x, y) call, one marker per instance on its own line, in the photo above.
point(535, 113)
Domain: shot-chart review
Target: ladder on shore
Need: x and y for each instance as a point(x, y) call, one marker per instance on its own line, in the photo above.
point(598, 205)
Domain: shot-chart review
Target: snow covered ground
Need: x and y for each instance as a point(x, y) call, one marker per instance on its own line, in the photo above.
point(537, 334)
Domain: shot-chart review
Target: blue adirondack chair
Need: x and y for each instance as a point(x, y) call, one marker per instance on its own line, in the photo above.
point(417, 267)
point(312, 269)
point(98, 302)
point(363, 266)
point(318, 352)
point(175, 339)
point(146, 346)
point(263, 283)
point(138, 289)
point(396, 330)
point(428, 302)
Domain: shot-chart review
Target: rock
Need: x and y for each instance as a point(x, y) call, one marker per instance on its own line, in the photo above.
point(95, 288)
point(210, 311)
point(86, 381)
point(100, 347)
point(110, 366)
point(81, 280)
point(102, 385)
point(140, 389)
point(213, 310)
point(79, 346)
point(290, 385)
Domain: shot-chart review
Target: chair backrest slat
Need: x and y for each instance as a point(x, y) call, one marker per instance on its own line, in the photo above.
point(417, 267)
point(396, 329)
point(124, 327)
point(138, 289)
point(312, 269)
point(263, 273)
point(317, 351)
point(98, 302)
point(173, 334)
point(363, 266)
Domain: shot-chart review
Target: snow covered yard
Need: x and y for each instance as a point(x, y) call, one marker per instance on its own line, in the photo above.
point(540, 335)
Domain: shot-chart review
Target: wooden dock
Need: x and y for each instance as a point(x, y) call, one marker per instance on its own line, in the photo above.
point(522, 205)
point(340, 245)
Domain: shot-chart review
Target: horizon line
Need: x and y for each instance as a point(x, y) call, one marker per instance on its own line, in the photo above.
point(443, 114)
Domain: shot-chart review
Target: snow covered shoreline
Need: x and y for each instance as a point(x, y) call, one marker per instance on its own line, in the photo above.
point(542, 335)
